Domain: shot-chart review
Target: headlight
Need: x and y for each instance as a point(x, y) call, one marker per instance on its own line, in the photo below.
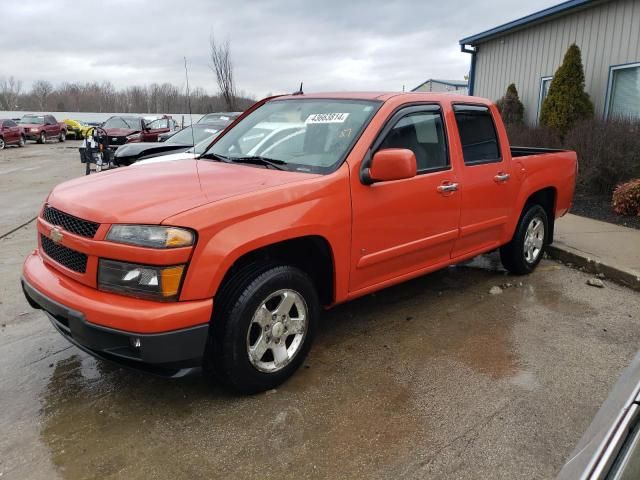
point(142, 281)
point(34, 129)
point(154, 236)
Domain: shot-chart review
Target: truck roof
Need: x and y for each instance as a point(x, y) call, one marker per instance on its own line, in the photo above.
point(384, 96)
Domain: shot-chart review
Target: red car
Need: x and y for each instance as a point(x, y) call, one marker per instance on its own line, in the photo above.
point(42, 128)
point(11, 133)
point(129, 129)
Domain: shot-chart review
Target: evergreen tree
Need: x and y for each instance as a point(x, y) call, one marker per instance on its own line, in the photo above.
point(567, 103)
point(510, 107)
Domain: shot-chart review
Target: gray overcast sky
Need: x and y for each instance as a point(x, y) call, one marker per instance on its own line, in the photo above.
point(328, 44)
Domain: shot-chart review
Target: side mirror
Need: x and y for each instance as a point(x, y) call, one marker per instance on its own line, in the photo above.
point(391, 164)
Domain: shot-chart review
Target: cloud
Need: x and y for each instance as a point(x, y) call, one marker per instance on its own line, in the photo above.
point(276, 44)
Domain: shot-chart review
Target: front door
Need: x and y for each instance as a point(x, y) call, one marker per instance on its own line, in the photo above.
point(155, 128)
point(487, 191)
point(404, 226)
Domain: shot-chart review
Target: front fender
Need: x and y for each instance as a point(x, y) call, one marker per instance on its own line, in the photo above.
point(318, 208)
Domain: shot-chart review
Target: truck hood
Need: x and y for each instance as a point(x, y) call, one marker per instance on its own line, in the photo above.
point(148, 194)
point(120, 132)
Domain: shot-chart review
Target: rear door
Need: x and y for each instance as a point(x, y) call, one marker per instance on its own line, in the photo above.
point(10, 131)
point(51, 126)
point(486, 188)
point(401, 227)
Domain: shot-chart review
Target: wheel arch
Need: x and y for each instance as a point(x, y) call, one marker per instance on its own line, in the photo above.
point(310, 253)
point(547, 198)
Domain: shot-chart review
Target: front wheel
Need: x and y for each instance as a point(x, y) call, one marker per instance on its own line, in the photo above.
point(62, 137)
point(263, 327)
point(524, 252)
point(22, 141)
point(2, 143)
point(43, 138)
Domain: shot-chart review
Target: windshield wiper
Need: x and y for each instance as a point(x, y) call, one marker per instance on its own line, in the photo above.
point(258, 160)
point(215, 156)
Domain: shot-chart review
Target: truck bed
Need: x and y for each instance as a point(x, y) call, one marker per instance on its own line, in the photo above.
point(527, 151)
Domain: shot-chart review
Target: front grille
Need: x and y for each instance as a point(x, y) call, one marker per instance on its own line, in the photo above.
point(117, 140)
point(72, 224)
point(66, 257)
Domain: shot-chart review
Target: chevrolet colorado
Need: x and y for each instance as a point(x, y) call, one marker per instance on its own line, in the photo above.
point(225, 261)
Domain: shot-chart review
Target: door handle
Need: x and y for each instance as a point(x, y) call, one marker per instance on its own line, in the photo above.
point(501, 177)
point(447, 187)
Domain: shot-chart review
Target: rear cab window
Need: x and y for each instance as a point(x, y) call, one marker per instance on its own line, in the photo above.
point(478, 134)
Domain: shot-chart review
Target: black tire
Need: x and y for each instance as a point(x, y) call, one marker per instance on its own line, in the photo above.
point(22, 142)
point(226, 356)
point(42, 138)
point(2, 144)
point(62, 137)
point(512, 254)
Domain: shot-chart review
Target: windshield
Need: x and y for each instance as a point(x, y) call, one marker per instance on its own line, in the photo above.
point(200, 148)
point(183, 137)
point(218, 117)
point(33, 119)
point(122, 122)
point(309, 135)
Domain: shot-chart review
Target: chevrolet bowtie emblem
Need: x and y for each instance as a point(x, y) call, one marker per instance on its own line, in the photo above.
point(56, 235)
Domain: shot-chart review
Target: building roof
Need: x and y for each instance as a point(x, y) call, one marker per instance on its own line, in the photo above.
point(538, 17)
point(452, 83)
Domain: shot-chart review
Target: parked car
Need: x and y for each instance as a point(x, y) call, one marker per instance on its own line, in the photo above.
point(226, 261)
point(610, 447)
point(42, 128)
point(123, 129)
point(11, 133)
point(265, 138)
point(78, 129)
point(180, 142)
point(219, 117)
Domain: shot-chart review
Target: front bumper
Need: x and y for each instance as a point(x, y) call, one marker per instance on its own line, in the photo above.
point(32, 135)
point(118, 328)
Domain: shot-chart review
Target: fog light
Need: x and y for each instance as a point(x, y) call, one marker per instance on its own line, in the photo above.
point(135, 342)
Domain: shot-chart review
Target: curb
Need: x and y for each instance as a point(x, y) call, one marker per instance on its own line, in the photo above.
point(619, 274)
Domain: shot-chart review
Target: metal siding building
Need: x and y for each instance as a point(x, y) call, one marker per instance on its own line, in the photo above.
point(435, 85)
point(528, 51)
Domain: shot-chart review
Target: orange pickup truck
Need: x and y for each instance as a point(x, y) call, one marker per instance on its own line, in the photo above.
point(226, 260)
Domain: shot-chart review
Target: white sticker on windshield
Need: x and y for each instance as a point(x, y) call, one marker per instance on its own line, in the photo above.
point(327, 118)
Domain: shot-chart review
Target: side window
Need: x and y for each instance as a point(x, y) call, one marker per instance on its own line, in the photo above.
point(477, 134)
point(10, 123)
point(423, 133)
point(50, 120)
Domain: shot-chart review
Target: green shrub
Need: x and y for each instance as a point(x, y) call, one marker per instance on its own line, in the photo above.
point(510, 107)
point(567, 103)
point(626, 198)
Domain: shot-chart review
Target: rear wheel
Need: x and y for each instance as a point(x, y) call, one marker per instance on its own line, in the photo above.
point(2, 144)
point(42, 138)
point(22, 141)
point(524, 252)
point(263, 327)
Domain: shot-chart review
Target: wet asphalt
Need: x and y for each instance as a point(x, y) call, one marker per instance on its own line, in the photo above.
point(435, 378)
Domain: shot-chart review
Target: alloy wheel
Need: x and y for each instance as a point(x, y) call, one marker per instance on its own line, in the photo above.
point(277, 331)
point(533, 240)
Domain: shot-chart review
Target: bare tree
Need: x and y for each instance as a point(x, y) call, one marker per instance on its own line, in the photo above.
point(9, 92)
point(222, 66)
point(41, 90)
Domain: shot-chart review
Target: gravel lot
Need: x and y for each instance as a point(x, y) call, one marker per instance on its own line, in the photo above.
point(435, 378)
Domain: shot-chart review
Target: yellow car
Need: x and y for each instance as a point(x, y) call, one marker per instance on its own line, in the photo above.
point(78, 129)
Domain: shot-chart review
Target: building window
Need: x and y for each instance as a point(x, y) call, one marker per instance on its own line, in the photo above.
point(545, 82)
point(623, 98)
